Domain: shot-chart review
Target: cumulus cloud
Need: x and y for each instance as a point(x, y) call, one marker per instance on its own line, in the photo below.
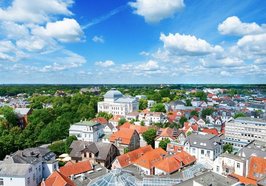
point(188, 45)
point(234, 26)
point(107, 63)
point(156, 10)
point(37, 11)
point(98, 39)
point(253, 44)
point(69, 60)
point(67, 30)
point(149, 66)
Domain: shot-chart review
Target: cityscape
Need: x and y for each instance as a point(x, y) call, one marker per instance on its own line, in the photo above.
point(132, 93)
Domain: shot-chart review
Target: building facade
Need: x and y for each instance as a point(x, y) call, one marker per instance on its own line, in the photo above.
point(205, 147)
point(242, 131)
point(117, 104)
point(87, 131)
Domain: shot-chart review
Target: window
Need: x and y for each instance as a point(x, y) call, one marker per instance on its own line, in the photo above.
point(28, 180)
point(238, 165)
point(202, 152)
point(1, 181)
point(217, 169)
point(30, 169)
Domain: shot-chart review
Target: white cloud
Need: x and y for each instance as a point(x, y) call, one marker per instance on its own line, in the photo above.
point(67, 30)
point(9, 52)
point(188, 45)
point(104, 64)
point(13, 30)
point(253, 44)
point(149, 66)
point(69, 60)
point(98, 39)
point(225, 73)
point(143, 53)
point(35, 11)
point(156, 10)
point(234, 26)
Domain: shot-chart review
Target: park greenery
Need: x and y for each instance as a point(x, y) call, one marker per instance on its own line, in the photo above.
point(45, 125)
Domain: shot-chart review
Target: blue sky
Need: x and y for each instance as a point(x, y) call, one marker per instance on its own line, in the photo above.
point(138, 41)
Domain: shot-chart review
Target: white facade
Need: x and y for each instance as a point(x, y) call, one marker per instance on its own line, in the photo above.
point(228, 164)
point(87, 131)
point(152, 117)
point(241, 131)
point(22, 174)
point(204, 148)
point(118, 104)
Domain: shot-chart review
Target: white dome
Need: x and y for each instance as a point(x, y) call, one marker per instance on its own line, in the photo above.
point(113, 94)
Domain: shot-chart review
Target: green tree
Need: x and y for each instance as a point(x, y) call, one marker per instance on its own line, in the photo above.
point(228, 148)
point(57, 147)
point(239, 114)
point(142, 123)
point(194, 113)
point(163, 143)
point(158, 107)
point(149, 136)
point(122, 121)
point(206, 112)
point(182, 120)
point(143, 104)
point(105, 115)
point(189, 133)
point(188, 102)
point(10, 116)
point(68, 142)
point(126, 150)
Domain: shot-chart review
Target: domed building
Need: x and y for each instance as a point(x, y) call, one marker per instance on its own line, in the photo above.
point(118, 104)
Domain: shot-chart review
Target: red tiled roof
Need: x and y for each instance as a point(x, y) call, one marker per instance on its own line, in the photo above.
point(138, 128)
point(150, 158)
point(116, 118)
point(75, 168)
point(130, 157)
point(57, 179)
point(124, 135)
point(257, 168)
point(100, 120)
point(243, 179)
point(169, 164)
point(211, 131)
point(185, 158)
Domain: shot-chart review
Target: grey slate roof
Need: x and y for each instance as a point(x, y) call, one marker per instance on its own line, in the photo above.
point(13, 170)
point(203, 141)
point(99, 149)
point(256, 147)
point(30, 156)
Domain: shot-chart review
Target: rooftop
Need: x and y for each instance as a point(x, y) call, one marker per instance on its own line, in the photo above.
point(209, 178)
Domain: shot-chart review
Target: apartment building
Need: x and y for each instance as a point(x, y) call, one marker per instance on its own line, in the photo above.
point(242, 131)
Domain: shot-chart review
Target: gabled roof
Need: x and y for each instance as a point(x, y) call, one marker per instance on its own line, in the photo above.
point(75, 168)
point(124, 135)
point(185, 158)
point(99, 149)
point(213, 131)
point(169, 164)
point(150, 158)
point(100, 120)
point(138, 128)
point(168, 132)
point(130, 157)
point(57, 179)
